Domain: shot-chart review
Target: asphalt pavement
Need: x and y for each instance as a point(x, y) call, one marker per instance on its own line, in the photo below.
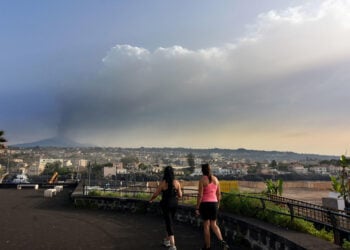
point(30, 221)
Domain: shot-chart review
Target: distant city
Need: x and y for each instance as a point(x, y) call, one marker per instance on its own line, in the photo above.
point(110, 162)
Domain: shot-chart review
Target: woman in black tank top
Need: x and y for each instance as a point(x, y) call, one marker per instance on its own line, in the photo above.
point(171, 191)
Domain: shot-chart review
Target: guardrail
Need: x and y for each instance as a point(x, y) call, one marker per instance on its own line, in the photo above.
point(336, 220)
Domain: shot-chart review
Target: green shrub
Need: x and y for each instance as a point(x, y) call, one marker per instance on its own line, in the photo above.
point(251, 207)
point(346, 244)
point(94, 193)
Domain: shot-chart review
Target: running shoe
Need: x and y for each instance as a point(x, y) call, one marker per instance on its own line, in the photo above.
point(166, 243)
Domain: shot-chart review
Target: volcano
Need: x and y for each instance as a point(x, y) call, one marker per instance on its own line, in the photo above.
point(59, 142)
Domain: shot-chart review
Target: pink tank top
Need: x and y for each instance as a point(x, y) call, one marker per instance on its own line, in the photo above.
point(209, 193)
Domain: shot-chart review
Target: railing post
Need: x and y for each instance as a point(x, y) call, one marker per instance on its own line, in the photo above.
point(263, 203)
point(291, 211)
point(183, 195)
point(335, 224)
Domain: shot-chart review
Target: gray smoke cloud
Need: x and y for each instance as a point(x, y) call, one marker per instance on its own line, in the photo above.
point(289, 70)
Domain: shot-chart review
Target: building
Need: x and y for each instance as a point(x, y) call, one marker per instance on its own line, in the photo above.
point(109, 171)
point(68, 163)
point(319, 170)
point(83, 163)
point(297, 168)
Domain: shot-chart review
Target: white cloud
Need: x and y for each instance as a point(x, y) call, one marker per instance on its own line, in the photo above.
point(298, 38)
point(290, 67)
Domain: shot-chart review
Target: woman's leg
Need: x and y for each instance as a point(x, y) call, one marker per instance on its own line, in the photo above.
point(215, 229)
point(171, 224)
point(172, 240)
point(206, 232)
point(168, 218)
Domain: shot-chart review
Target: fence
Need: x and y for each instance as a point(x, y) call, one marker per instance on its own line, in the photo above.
point(336, 220)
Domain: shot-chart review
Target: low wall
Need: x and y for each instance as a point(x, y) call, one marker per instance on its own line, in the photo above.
point(240, 231)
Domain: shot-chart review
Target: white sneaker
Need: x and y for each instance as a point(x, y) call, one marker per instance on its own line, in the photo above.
point(166, 243)
point(224, 245)
point(172, 248)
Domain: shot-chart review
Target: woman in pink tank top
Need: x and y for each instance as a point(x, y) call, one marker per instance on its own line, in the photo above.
point(208, 200)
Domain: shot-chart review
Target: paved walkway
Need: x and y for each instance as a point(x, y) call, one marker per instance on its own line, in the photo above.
point(30, 221)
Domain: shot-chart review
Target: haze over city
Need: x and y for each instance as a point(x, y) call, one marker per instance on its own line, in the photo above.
point(266, 75)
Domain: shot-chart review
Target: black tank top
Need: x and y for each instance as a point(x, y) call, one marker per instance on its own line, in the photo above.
point(169, 196)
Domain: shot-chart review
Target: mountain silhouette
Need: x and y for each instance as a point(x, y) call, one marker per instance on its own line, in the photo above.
point(59, 142)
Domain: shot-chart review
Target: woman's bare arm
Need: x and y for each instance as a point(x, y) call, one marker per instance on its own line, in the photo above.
point(200, 193)
point(218, 191)
point(178, 189)
point(157, 192)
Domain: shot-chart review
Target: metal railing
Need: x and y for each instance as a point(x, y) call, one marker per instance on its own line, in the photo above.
point(329, 217)
point(336, 220)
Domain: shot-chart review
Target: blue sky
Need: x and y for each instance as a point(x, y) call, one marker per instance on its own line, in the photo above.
point(270, 75)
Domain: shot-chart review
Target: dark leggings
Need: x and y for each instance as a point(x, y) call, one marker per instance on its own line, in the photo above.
point(169, 215)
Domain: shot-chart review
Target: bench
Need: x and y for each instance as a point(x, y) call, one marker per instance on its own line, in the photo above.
point(59, 188)
point(50, 192)
point(27, 185)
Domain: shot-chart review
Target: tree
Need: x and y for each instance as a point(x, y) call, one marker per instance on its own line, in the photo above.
point(275, 188)
point(2, 139)
point(144, 167)
point(340, 183)
point(255, 169)
point(130, 159)
point(97, 170)
point(273, 164)
point(344, 188)
point(190, 161)
point(336, 186)
point(53, 167)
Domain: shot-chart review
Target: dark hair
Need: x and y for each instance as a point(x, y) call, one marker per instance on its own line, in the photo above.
point(169, 176)
point(206, 170)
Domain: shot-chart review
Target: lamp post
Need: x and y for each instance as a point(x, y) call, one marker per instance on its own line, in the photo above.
point(8, 160)
point(89, 167)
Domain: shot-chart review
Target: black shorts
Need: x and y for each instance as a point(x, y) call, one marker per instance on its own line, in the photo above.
point(208, 210)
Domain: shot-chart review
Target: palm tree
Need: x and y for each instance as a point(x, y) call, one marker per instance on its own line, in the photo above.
point(274, 187)
point(2, 139)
